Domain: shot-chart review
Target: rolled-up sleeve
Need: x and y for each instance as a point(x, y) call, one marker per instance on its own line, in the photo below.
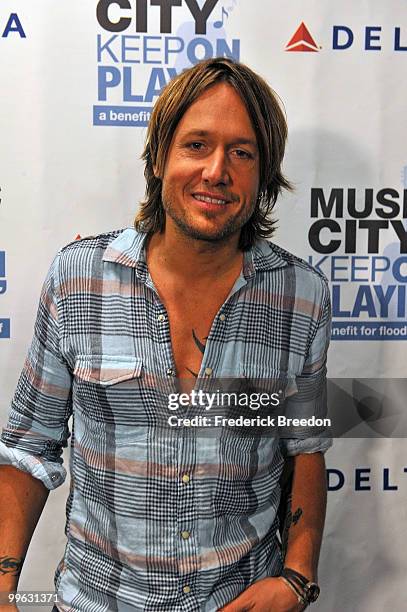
point(37, 428)
point(311, 397)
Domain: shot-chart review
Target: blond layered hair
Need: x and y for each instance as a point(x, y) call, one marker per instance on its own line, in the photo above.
point(265, 111)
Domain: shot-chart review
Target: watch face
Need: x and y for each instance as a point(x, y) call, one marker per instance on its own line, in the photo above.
point(313, 591)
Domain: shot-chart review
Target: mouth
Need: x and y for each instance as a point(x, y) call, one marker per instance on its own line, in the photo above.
point(211, 199)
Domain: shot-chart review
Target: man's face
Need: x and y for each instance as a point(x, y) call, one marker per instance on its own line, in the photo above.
point(211, 178)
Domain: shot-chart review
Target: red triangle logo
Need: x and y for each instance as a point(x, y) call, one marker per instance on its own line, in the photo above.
point(302, 40)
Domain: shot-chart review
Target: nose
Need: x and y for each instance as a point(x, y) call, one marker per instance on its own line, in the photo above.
point(216, 168)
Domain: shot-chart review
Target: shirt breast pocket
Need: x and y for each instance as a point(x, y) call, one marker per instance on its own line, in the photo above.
point(107, 370)
point(251, 423)
point(109, 397)
point(262, 380)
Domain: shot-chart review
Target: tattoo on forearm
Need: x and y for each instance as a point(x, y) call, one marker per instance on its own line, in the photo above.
point(292, 519)
point(296, 516)
point(11, 565)
point(201, 347)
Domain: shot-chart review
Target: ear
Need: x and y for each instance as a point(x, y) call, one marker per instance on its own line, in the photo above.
point(156, 172)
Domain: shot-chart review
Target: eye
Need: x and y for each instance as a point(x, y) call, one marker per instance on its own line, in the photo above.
point(195, 146)
point(242, 154)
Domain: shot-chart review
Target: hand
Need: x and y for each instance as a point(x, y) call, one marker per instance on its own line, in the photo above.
point(266, 595)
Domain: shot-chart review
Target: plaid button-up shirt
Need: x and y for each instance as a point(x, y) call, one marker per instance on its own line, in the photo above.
point(159, 519)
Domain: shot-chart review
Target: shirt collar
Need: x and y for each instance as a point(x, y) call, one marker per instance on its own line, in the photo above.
point(128, 249)
point(266, 256)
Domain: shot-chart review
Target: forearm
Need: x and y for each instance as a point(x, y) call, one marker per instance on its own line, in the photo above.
point(22, 499)
point(308, 509)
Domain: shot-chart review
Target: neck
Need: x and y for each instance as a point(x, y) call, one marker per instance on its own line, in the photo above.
point(193, 259)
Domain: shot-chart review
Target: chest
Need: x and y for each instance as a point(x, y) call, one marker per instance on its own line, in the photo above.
point(190, 319)
point(192, 303)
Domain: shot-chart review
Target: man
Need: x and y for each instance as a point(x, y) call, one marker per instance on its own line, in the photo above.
point(159, 517)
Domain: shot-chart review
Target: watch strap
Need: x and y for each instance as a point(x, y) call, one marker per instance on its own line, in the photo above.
point(307, 590)
point(296, 576)
point(294, 589)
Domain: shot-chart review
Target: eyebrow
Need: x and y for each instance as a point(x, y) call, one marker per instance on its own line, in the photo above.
point(204, 133)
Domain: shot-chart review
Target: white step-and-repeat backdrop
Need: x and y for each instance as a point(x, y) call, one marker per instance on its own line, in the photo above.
point(78, 80)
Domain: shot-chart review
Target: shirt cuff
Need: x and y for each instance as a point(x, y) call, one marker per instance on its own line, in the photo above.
point(293, 446)
point(50, 473)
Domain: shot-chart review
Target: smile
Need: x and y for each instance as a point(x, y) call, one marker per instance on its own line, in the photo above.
point(208, 199)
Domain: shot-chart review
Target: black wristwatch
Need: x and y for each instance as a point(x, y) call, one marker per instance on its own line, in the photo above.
point(307, 591)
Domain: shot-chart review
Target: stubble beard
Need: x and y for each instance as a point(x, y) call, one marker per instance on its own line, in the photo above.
point(230, 227)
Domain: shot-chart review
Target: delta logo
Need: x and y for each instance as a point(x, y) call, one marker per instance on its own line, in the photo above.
point(302, 40)
point(368, 38)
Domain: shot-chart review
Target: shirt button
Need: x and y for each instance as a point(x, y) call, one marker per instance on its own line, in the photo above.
point(208, 371)
point(186, 589)
point(222, 317)
point(170, 371)
point(185, 535)
point(186, 478)
point(161, 318)
point(54, 476)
